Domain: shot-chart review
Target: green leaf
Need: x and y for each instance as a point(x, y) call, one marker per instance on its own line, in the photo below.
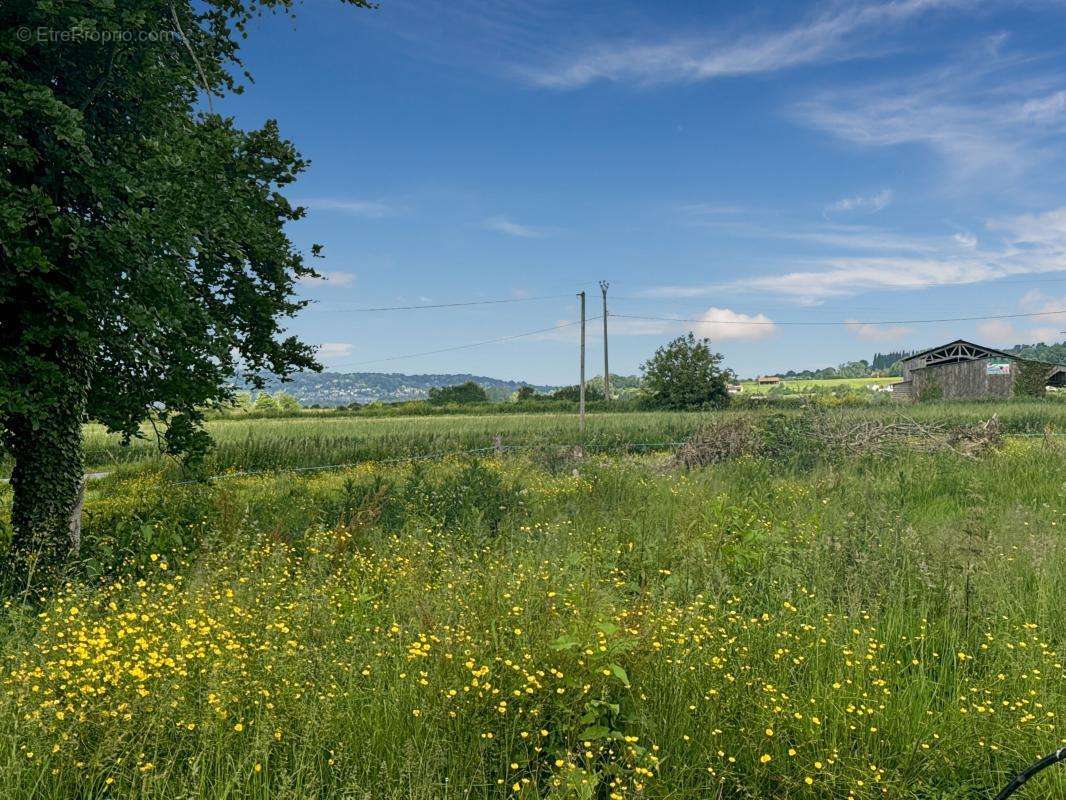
point(620, 673)
point(564, 642)
point(595, 732)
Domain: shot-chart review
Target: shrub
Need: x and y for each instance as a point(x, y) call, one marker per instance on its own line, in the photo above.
point(468, 392)
point(686, 374)
point(573, 393)
point(1030, 379)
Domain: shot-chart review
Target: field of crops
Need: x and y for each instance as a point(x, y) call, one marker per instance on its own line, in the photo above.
point(796, 625)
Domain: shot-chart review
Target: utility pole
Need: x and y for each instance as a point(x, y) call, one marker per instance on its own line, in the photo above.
point(581, 394)
point(606, 369)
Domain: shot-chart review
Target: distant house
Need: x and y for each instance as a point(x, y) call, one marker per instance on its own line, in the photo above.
point(962, 370)
point(764, 380)
point(734, 388)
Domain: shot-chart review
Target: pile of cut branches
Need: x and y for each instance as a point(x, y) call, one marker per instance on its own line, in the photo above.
point(789, 437)
point(867, 436)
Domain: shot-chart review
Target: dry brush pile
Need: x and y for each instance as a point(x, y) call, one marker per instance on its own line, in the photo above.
point(804, 438)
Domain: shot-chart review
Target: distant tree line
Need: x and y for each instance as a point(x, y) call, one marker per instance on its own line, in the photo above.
point(1052, 353)
point(883, 365)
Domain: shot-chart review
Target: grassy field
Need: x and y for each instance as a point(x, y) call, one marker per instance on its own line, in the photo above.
point(853, 626)
point(311, 440)
point(751, 387)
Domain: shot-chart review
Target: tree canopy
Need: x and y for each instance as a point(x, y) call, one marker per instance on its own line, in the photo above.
point(573, 393)
point(146, 262)
point(468, 392)
point(686, 374)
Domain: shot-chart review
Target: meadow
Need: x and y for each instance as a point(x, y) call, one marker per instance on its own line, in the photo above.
point(540, 626)
point(313, 440)
point(826, 384)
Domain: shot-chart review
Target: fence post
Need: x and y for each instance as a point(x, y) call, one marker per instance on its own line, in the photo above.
point(497, 445)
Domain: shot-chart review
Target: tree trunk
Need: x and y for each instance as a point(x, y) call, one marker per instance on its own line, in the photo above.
point(47, 481)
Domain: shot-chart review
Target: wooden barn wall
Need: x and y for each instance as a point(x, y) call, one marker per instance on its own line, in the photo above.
point(963, 380)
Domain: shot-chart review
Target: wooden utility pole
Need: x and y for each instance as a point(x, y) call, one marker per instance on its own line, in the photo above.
point(581, 391)
point(606, 369)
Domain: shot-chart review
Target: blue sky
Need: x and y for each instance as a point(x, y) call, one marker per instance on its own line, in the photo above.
point(722, 162)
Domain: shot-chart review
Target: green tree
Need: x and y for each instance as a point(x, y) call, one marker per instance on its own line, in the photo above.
point(686, 374)
point(468, 392)
point(265, 404)
point(573, 393)
point(524, 393)
point(145, 260)
point(242, 402)
point(286, 403)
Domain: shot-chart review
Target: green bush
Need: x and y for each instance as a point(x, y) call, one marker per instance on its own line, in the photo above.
point(1030, 379)
point(463, 393)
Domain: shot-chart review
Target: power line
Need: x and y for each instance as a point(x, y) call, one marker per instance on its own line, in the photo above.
point(462, 346)
point(454, 305)
point(843, 322)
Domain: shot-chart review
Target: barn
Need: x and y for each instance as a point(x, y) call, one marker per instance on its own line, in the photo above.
point(962, 370)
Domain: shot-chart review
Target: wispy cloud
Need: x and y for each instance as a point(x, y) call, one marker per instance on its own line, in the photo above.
point(701, 210)
point(870, 204)
point(329, 351)
point(832, 35)
point(1047, 230)
point(1031, 244)
point(335, 278)
point(1049, 328)
point(997, 332)
point(367, 209)
point(991, 119)
point(510, 228)
point(878, 333)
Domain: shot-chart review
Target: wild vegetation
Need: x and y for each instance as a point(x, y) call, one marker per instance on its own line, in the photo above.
point(313, 440)
point(785, 623)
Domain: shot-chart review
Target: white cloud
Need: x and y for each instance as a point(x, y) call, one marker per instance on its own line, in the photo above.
point(368, 209)
point(877, 333)
point(1032, 244)
point(830, 36)
point(980, 118)
point(1045, 109)
point(870, 204)
point(1047, 229)
point(335, 278)
point(847, 276)
point(510, 228)
point(724, 323)
point(328, 351)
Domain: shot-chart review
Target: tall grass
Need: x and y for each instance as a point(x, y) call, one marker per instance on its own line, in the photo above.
point(861, 629)
point(315, 441)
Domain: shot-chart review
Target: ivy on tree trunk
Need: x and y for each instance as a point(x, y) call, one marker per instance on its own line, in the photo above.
point(47, 480)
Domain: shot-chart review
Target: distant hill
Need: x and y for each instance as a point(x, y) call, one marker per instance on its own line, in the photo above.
point(343, 388)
